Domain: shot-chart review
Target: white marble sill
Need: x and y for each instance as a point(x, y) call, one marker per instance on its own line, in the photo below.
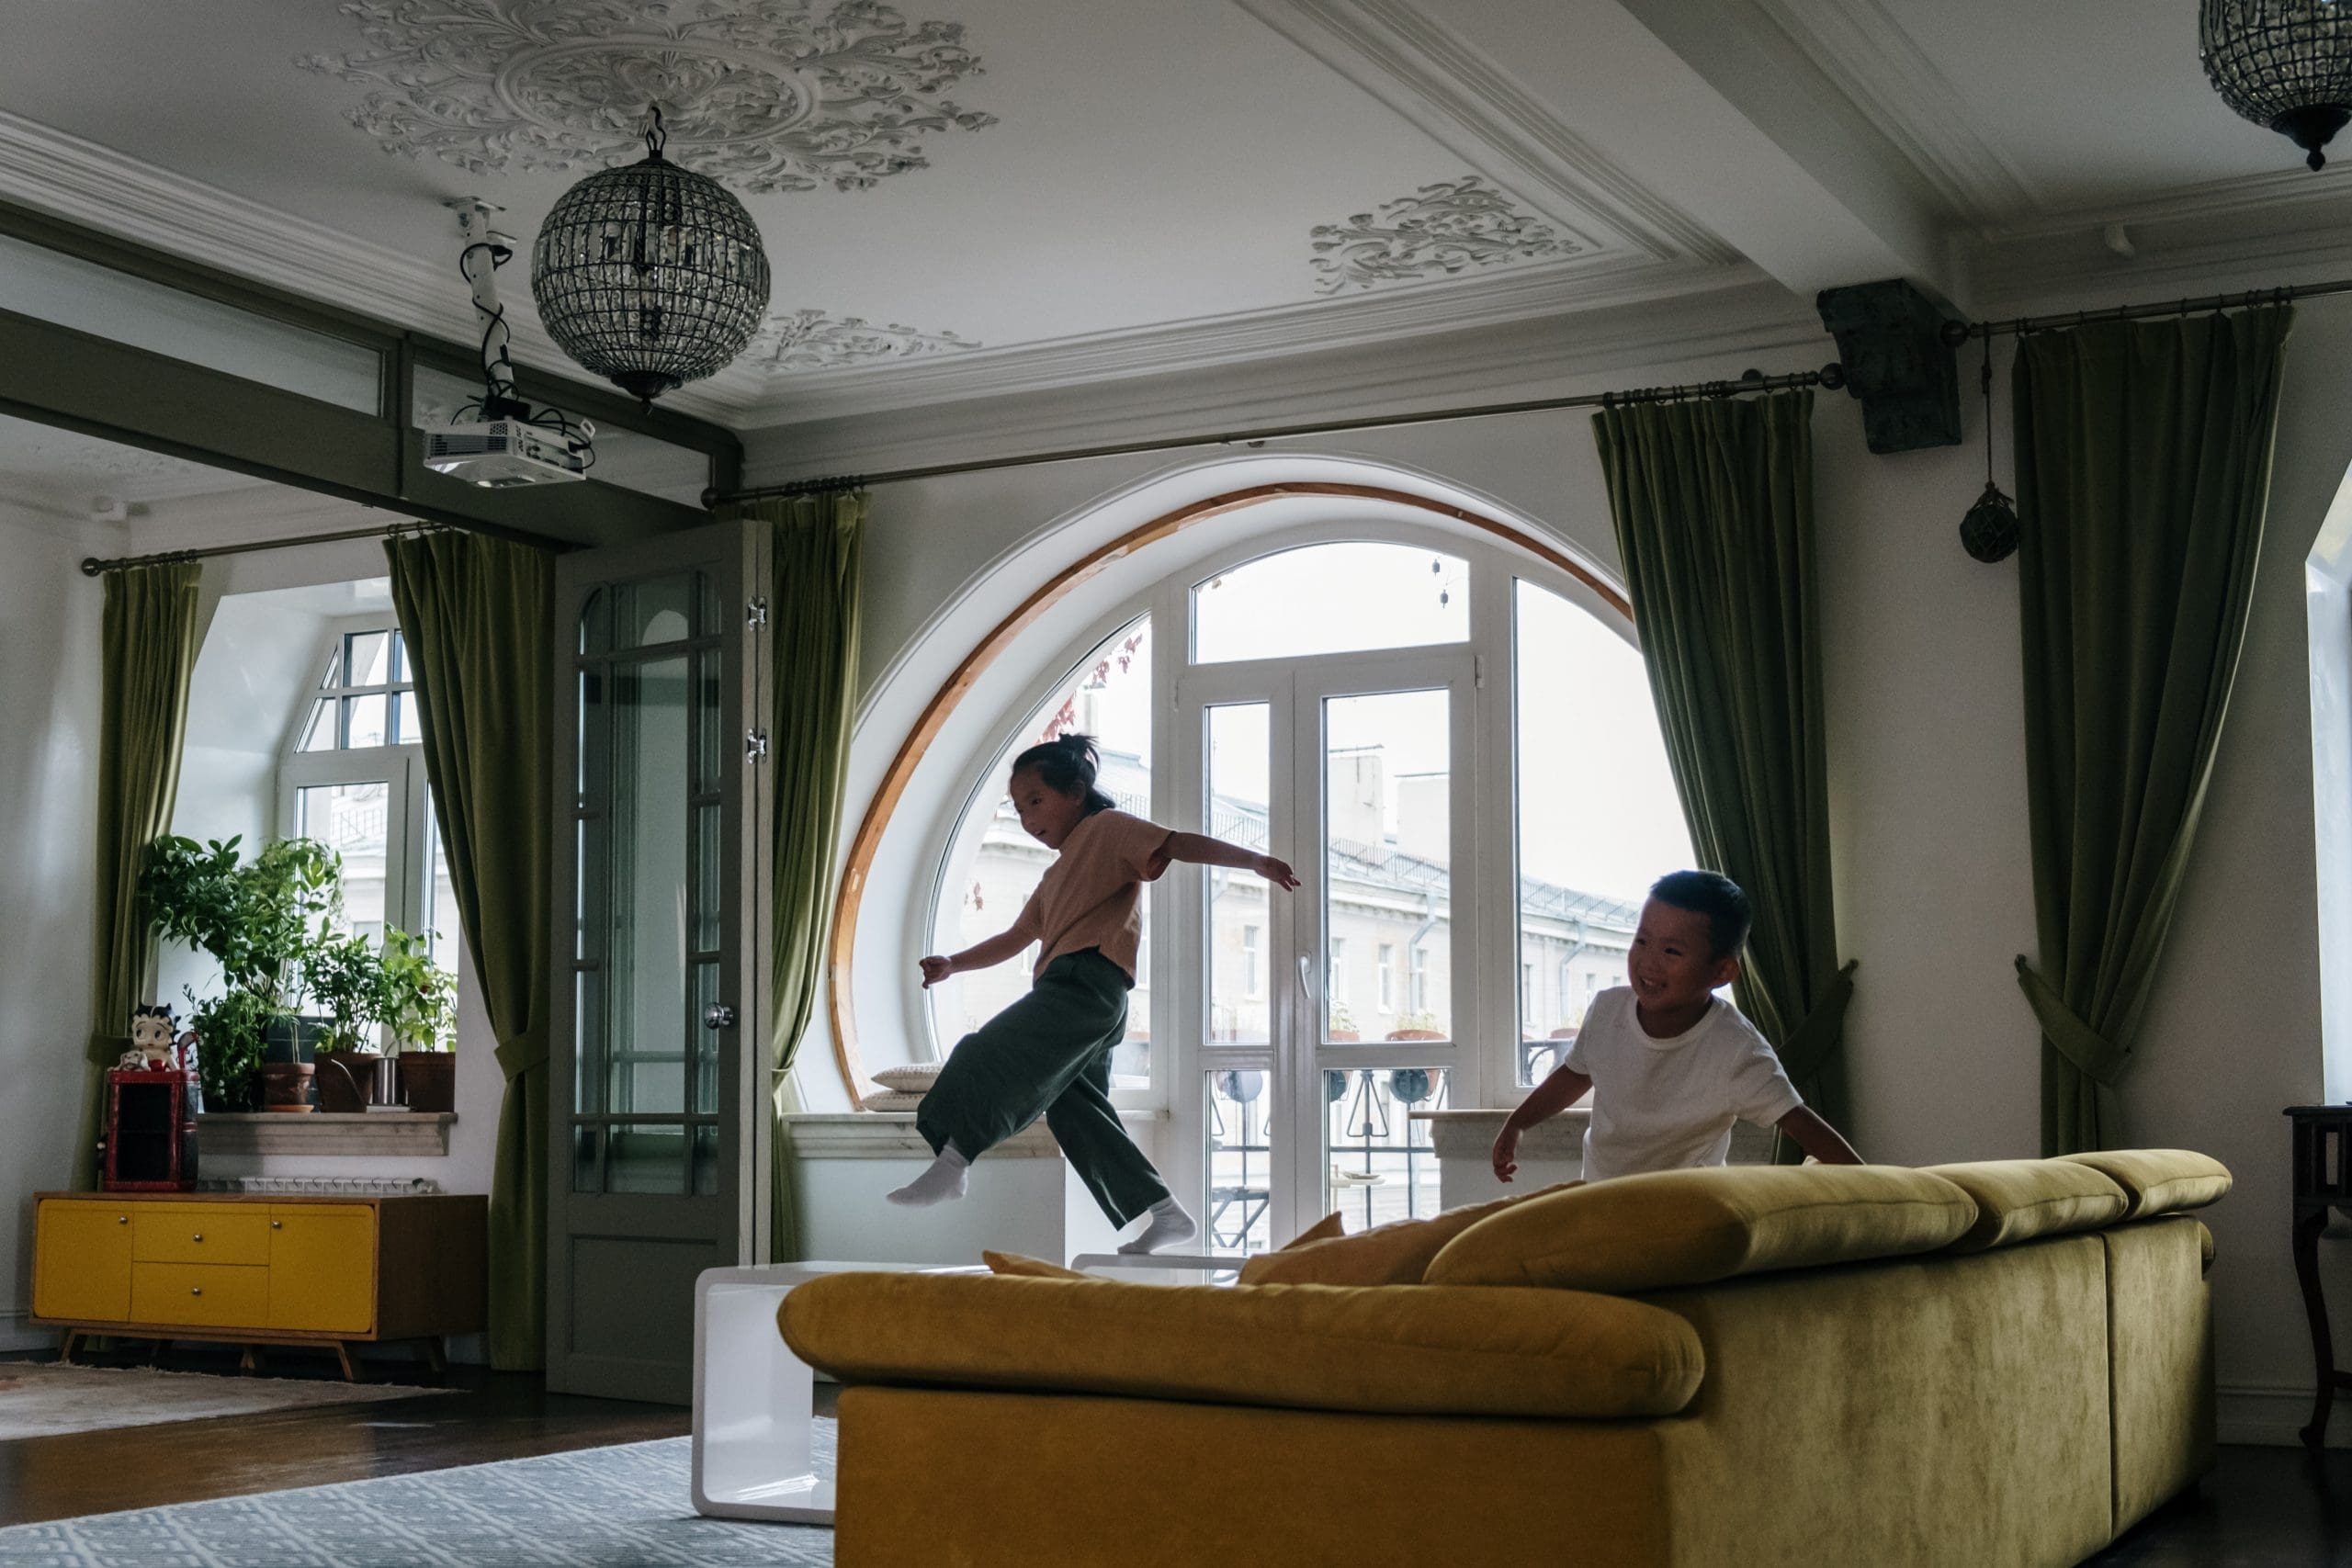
point(411, 1132)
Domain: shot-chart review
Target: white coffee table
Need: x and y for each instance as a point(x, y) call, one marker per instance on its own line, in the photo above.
point(752, 1419)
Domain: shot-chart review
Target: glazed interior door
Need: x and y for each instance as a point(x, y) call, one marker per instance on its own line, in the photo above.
point(655, 1142)
point(1326, 1017)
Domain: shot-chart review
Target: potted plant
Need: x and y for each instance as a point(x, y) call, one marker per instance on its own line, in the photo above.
point(421, 1016)
point(1343, 1025)
point(346, 977)
point(255, 919)
point(1416, 1026)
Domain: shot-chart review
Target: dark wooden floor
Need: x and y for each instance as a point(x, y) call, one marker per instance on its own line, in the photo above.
point(494, 1415)
point(2261, 1507)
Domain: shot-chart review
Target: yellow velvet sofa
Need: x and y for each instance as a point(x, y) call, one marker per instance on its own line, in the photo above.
point(2006, 1363)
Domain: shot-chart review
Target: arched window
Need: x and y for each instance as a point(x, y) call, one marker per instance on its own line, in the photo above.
point(1457, 753)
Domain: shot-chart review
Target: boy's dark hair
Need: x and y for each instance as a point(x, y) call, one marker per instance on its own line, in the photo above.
point(1068, 764)
point(1715, 896)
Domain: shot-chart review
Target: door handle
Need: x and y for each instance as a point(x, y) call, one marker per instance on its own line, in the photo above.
point(1307, 975)
point(718, 1015)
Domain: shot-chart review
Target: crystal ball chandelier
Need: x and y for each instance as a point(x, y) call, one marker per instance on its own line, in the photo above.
point(2286, 64)
point(651, 276)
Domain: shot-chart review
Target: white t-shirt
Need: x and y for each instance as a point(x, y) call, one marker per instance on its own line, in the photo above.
point(1664, 1104)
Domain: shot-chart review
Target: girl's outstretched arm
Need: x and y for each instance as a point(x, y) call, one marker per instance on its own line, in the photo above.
point(1198, 848)
point(984, 954)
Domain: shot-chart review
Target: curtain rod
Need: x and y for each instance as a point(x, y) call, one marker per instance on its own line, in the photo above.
point(1832, 376)
point(93, 566)
point(1957, 332)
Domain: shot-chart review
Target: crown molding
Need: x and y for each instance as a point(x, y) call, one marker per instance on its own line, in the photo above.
point(1859, 46)
point(1698, 336)
point(98, 187)
point(1472, 106)
point(1379, 317)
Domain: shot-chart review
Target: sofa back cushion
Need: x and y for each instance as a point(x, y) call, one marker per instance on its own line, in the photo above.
point(1398, 1253)
point(2160, 1181)
point(2018, 1199)
point(1692, 1227)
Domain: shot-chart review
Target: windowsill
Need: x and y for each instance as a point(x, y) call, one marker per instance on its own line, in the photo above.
point(1470, 1134)
point(412, 1132)
point(891, 1134)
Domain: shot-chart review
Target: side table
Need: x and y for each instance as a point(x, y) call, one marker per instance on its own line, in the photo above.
point(754, 1400)
point(2322, 1166)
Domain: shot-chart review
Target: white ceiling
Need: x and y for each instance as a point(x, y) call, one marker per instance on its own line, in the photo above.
point(1136, 186)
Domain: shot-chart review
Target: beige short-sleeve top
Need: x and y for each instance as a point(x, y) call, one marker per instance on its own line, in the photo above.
point(1091, 896)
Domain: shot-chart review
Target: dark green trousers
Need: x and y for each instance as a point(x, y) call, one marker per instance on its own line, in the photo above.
point(1050, 1055)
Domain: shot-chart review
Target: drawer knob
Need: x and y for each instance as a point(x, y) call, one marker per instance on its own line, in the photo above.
point(196, 1290)
point(122, 1219)
point(199, 1236)
point(278, 1225)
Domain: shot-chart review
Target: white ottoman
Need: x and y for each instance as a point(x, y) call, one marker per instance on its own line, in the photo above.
point(754, 1400)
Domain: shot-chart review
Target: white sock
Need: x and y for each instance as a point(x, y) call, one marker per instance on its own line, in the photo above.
point(942, 1180)
point(1170, 1224)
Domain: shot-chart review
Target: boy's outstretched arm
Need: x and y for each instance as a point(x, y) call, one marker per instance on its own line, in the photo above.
point(1199, 849)
point(1818, 1138)
point(981, 954)
point(1546, 1100)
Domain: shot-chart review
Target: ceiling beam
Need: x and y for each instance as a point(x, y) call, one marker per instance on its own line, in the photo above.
point(1713, 109)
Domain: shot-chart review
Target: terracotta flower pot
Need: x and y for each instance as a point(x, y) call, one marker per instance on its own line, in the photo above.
point(285, 1085)
point(429, 1079)
point(343, 1080)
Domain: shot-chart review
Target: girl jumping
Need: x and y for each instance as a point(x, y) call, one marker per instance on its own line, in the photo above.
point(1050, 1051)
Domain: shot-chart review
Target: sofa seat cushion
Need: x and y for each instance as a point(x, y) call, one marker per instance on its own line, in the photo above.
point(2160, 1181)
point(2018, 1199)
point(1692, 1227)
point(1408, 1350)
point(1398, 1253)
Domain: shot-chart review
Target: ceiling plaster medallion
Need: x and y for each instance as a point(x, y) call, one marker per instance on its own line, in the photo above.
point(764, 95)
point(1452, 227)
point(811, 340)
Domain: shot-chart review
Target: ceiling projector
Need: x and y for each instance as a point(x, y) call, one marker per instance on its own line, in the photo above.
point(498, 453)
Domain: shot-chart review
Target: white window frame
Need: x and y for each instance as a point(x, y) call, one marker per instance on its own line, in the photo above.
point(1253, 962)
point(1389, 977)
point(409, 828)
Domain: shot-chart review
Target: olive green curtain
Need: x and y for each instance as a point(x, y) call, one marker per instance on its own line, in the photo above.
point(1713, 506)
point(2143, 470)
point(147, 654)
point(818, 539)
point(478, 616)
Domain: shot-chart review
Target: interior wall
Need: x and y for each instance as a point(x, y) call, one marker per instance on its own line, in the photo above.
point(1927, 791)
point(49, 761)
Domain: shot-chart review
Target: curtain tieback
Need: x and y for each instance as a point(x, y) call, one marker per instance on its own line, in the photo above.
point(1809, 1048)
point(2099, 1057)
point(520, 1055)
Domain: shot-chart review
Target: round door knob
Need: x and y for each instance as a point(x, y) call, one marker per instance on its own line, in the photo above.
point(718, 1015)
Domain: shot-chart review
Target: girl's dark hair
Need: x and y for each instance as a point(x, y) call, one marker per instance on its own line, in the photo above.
point(1068, 764)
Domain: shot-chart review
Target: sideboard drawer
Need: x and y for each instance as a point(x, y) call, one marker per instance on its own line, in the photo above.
point(201, 1295)
point(199, 1233)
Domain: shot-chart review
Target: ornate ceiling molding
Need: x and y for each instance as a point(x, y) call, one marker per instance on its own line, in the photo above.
point(1439, 230)
point(767, 97)
point(796, 341)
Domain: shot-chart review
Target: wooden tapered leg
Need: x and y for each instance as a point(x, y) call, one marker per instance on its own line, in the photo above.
point(65, 1347)
point(343, 1354)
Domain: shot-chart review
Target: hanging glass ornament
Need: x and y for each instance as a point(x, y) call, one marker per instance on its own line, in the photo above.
point(1989, 532)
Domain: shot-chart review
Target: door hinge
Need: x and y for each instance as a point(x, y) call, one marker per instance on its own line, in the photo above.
point(755, 746)
point(755, 614)
point(1478, 670)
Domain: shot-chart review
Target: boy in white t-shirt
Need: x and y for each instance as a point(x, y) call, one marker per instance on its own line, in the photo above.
point(1670, 1066)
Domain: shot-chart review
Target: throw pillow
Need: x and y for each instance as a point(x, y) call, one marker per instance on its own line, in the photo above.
point(1398, 1253)
point(916, 1077)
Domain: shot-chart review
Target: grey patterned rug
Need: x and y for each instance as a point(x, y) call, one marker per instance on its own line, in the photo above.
point(619, 1508)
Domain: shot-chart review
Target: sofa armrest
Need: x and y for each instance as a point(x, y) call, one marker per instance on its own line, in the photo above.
point(1389, 1350)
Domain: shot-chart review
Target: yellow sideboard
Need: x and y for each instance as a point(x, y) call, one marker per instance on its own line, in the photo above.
point(259, 1270)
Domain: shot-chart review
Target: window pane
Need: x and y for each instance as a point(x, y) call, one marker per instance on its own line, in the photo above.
point(646, 614)
point(319, 734)
point(354, 820)
point(440, 896)
point(1238, 1130)
point(1331, 599)
point(1591, 838)
point(1382, 1164)
point(400, 675)
point(992, 866)
point(368, 660)
point(1239, 739)
point(1388, 826)
point(363, 722)
point(646, 1160)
